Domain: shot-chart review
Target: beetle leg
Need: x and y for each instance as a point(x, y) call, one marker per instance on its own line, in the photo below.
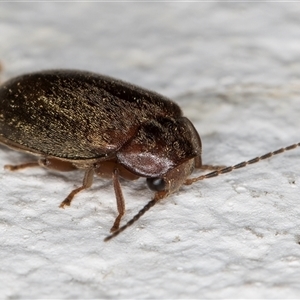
point(198, 165)
point(205, 167)
point(87, 182)
point(119, 198)
point(158, 196)
point(211, 168)
point(21, 166)
point(48, 163)
point(56, 164)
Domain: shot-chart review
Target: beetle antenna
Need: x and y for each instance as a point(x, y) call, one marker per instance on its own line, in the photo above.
point(241, 165)
point(133, 220)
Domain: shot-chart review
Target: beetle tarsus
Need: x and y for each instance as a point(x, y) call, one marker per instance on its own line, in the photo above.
point(133, 220)
point(68, 200)
point(116, 225)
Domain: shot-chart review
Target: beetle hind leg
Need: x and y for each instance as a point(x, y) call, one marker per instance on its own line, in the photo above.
point(87, 182)
point(48, 163)
point(22, 166)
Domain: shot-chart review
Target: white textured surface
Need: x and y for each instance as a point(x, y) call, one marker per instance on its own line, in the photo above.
point(234, 69)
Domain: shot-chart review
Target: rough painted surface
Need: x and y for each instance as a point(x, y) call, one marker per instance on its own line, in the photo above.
point(234, 69)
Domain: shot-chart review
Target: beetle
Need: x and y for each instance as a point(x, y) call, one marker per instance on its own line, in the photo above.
point(74, 119)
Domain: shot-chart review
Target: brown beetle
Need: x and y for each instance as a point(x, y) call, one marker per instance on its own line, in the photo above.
point(81, 120)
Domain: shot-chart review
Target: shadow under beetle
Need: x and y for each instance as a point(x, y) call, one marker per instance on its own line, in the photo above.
point(81, 120)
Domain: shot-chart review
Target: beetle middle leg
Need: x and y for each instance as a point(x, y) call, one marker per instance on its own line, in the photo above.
point(87, 182)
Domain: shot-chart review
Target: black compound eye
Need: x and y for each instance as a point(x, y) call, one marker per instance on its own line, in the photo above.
point(156, 184)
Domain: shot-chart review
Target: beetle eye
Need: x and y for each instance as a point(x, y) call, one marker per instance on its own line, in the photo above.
point(156, 184)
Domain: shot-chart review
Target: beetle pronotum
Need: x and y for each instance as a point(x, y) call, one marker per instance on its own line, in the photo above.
point(80, 120)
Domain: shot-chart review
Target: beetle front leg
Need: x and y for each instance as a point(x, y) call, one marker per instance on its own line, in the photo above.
point(199, 165)
point(119, 198)
point(211, 168)
point(87, 182)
